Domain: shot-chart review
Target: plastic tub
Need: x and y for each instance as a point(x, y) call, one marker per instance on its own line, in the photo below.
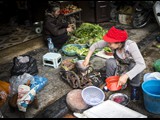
point(112, 82)
point(151, 95)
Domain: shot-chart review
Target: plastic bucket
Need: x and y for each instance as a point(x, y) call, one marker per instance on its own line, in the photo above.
point(151, 95)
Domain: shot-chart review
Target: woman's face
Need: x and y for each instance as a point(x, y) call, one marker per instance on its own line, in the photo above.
point(57, 12)
point(114, 46)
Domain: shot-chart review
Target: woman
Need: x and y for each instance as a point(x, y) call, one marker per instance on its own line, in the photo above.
point(56, 26)
point(128, 62)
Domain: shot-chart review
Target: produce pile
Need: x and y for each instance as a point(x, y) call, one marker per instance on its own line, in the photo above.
point(69, 9)
point(87, 33)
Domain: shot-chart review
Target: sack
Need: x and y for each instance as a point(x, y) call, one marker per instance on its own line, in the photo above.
point(24, 64)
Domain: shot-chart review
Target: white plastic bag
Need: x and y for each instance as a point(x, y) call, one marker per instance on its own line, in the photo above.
point(25, 97)
point(15, 81)
point(151, 76)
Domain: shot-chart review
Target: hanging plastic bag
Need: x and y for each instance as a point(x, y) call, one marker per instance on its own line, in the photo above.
point(24, 64)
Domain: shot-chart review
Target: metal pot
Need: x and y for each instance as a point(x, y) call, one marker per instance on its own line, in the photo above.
point(80, 66)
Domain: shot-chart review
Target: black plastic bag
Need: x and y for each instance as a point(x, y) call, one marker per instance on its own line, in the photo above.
point(24, 64)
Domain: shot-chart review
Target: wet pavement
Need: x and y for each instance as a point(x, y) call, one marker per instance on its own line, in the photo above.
point(52, 98)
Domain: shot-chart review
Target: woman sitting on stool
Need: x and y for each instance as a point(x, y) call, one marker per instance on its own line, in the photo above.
point(56, 26)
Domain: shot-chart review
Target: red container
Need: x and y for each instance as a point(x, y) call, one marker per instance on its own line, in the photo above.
point(112, 82)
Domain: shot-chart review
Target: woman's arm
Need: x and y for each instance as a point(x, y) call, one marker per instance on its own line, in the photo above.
point(99, 44)
point(138, 58)
point(138, 68)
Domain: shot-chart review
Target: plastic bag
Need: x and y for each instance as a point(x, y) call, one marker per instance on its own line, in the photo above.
point(25, 97)
point(4, 91)
point(151, 76)
point(39, 83)
point(3, 96)
point(156, 65)
point(24, 64)
point(15, 81)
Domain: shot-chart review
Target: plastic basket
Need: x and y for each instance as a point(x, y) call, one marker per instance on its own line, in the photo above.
point(71, 52)
point(93, 95)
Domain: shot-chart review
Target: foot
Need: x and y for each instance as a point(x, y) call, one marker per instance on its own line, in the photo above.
point(55, 50)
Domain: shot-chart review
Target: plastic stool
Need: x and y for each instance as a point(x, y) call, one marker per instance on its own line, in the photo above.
point(52, 59)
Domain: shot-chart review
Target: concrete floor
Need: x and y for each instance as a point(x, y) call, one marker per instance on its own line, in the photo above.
point(56, 89)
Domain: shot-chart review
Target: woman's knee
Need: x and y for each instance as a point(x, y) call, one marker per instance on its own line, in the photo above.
point(111, 62)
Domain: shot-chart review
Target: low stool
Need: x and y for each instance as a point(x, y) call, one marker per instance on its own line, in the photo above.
point(52, 59)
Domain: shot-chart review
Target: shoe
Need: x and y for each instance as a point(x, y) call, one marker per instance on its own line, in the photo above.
point(134, 94)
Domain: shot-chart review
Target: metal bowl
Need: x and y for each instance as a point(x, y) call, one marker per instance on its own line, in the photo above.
point(80, 66)
point(120, 98)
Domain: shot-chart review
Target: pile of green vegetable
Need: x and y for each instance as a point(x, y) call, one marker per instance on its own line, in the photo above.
point(71, 48)
point(87, 33)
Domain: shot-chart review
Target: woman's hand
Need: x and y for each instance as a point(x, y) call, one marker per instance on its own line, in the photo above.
point(86, 62)
point(87, 59)
point(69, 29)
point(122, 80)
